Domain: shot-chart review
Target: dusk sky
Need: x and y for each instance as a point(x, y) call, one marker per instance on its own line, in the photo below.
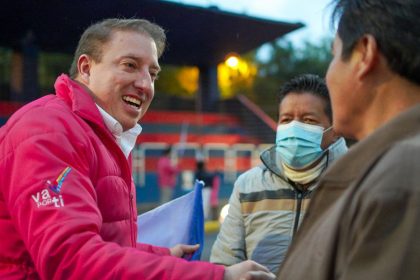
point(314, 14)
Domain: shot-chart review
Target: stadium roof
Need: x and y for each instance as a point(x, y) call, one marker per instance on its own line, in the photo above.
point(196, 35)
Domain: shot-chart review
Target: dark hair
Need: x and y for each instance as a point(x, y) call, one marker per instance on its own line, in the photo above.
point(394, 25)
point(200, 165)
point(308, 83)
point(167, 150)
point(96, 35)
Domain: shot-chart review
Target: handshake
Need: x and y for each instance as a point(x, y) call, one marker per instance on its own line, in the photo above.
point(246, 270)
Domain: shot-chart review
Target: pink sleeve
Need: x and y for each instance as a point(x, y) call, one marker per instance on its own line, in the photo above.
point(65, 242)
point(163, 251)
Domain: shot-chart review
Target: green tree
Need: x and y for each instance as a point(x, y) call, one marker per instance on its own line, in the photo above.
point(50, 66)
point(5, 58)
point(286, 62)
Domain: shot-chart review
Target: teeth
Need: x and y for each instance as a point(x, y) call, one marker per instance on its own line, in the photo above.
point(132, 100)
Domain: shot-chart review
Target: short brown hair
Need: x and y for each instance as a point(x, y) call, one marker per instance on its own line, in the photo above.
point(96, 35)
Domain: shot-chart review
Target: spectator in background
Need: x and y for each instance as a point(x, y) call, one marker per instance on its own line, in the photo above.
point(202, 174)
point(364, 218)
point(269, 201)
point(166, 175)
point(214, 196)
point(67, 197)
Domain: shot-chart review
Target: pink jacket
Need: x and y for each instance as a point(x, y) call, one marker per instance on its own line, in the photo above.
point(67, 199)
point(166, 173)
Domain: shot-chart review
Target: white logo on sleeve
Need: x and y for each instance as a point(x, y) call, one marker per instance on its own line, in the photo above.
point(43, 198)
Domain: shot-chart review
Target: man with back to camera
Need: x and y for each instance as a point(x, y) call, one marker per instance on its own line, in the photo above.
point(269, 201)
point(67, 203)
point(363, 222)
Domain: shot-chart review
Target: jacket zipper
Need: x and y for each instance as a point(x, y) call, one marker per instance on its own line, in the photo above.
point(130, 196)
point(298, 209)
point(128, 171)
point(124, 162)
point(131, 218)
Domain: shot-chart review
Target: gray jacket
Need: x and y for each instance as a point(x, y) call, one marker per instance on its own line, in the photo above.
point(264, 213)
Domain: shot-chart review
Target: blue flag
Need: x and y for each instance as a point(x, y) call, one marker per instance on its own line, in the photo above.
point(180, 221)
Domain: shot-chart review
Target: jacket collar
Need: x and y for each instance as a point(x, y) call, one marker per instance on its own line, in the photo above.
point(79, 99)
point(363, 154)
point(268, 158)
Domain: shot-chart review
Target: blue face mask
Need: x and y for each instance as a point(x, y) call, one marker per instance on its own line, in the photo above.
point(299, 144)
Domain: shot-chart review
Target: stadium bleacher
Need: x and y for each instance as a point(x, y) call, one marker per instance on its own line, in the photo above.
point(221, 138)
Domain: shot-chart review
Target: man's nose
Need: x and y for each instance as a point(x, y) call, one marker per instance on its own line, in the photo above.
point(143, 80)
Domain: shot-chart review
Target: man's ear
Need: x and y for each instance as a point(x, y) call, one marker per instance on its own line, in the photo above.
point(84, 64)
point(367, 53)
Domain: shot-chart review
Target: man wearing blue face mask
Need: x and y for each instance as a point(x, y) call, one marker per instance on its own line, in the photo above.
point(268, 202)
point(299, 149)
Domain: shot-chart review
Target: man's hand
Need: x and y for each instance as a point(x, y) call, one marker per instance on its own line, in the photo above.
point(248, 270)
point(181, 250)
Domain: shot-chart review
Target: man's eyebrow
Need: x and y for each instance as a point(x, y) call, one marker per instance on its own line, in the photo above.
point(136, 57)
point(130, 55)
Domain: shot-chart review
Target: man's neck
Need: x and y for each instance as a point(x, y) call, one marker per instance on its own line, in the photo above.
point(393, 97)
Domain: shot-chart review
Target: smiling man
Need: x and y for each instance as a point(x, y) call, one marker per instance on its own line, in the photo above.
point(67, 199)
point(121, 80)
point(363, 222)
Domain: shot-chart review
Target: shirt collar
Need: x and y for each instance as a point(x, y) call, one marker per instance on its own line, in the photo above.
point(126, 140)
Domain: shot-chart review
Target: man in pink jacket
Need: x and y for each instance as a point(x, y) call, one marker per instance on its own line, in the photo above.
point(67, 199)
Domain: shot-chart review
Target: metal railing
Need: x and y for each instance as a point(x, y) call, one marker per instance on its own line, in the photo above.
point(228, 157)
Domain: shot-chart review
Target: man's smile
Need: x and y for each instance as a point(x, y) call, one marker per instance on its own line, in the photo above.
point(132, 101)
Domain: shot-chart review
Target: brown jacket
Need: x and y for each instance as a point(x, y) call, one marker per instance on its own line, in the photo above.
point(364, 220)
